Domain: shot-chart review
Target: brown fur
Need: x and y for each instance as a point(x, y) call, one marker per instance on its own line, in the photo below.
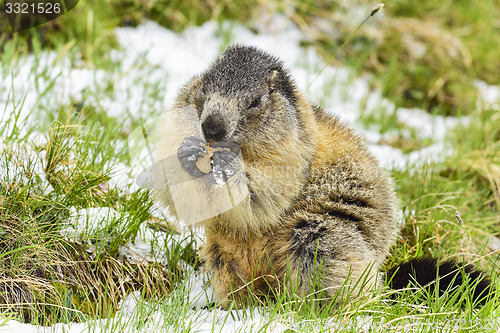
point(319, 200)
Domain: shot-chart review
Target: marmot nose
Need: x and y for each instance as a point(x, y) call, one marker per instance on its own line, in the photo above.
point(214, 128)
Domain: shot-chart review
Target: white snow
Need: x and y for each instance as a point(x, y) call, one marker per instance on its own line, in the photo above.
point(150, 68)
point(25, 158)
point(489, 96)
point(89, 222)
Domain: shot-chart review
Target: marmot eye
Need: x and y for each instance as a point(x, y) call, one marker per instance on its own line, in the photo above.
point(255, 103)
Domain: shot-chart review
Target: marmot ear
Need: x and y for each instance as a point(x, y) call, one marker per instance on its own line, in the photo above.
point(273, 79)
point(200, 93)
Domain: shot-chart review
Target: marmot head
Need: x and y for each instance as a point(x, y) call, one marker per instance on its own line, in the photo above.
point(245, 97)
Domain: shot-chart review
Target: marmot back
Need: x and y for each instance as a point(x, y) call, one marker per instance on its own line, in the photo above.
point(317, 204)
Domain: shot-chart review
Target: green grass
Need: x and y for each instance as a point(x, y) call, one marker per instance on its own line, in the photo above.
point(46, 277)
point(466, 182)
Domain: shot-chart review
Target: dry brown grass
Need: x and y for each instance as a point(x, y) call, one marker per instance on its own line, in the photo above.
point(69, 280)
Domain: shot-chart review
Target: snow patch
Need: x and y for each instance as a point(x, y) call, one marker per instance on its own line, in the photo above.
point(91, 222)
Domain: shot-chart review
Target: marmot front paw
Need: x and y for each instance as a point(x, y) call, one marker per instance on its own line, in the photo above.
point(217, 162)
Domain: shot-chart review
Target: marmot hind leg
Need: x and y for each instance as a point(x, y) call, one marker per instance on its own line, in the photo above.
point(331, 260)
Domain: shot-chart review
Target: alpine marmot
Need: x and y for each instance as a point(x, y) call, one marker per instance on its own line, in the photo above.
point(289, 196)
